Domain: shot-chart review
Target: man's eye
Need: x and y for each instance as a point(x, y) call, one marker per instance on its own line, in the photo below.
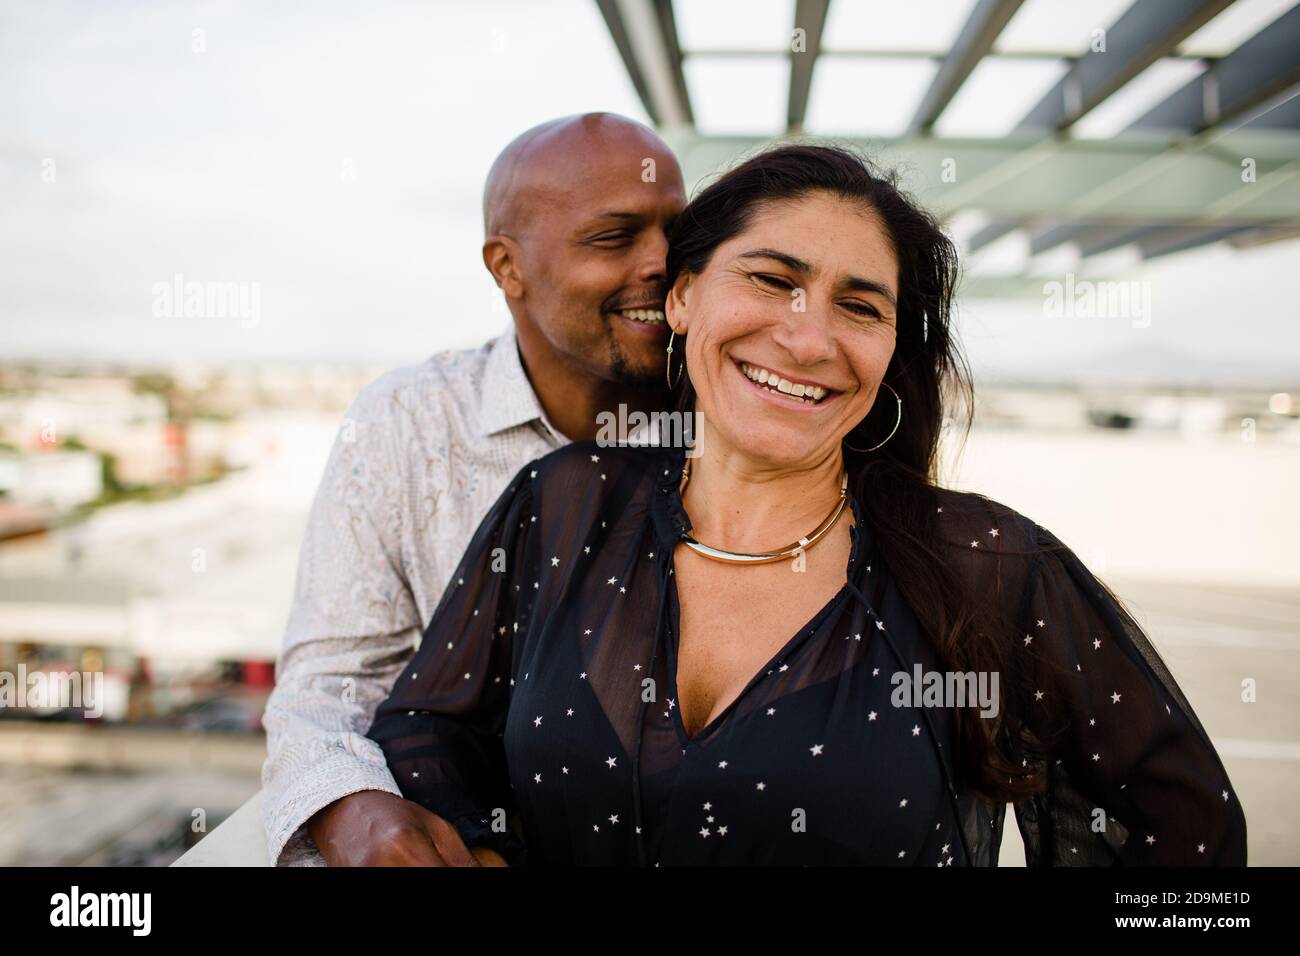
point(611, 237)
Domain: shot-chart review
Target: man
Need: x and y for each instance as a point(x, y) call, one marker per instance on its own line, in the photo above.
point(575, 213)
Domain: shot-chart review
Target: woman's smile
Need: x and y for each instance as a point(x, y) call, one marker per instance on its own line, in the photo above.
point(766, 384)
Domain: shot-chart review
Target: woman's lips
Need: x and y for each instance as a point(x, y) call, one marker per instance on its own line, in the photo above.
point(782, 399)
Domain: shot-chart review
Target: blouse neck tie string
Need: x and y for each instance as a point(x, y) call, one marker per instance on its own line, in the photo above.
point(665, 565)
point(925, 716)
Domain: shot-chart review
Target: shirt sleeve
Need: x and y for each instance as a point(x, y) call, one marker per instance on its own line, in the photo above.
point(1133, 779)
point(352, 625)
point(441, 729)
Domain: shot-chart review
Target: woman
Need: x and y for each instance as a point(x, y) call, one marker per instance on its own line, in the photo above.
point(630, 667)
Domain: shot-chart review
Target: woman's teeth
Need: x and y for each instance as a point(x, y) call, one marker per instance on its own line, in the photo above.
point(643, 315)
point(808, 394)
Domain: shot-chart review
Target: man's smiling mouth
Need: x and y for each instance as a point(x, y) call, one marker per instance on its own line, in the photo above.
point(807, 392)
point(650, 316)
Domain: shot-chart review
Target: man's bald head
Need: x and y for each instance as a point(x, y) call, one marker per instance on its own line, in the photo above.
point(547, 161)
point(577, 213)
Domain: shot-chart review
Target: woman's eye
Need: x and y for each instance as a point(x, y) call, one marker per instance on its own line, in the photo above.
point(774, 281)
point(611, 237)
point(859, 308)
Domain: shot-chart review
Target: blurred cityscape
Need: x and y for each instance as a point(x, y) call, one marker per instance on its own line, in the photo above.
point(150, 519)
point(149, 525)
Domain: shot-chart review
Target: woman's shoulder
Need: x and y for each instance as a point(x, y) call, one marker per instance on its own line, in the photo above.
point(596, 466)
point(589, 481)
point(1000, 549)
point(972, 521)
point(996, 547)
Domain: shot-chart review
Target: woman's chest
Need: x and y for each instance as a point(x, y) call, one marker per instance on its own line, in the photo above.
point(733, 620)
point(800, 774)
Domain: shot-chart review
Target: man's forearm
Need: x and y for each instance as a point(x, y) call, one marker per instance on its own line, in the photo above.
point(315, 754)
point(307, 776)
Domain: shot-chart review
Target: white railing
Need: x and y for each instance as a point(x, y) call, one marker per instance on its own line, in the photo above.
point(241, 841)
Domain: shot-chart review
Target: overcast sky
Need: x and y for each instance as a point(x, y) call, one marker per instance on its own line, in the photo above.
point(333, 153)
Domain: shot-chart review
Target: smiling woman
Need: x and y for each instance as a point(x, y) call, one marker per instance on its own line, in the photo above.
point(655, 659)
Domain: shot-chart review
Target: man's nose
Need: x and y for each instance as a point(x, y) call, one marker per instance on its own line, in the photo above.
point(653, 265)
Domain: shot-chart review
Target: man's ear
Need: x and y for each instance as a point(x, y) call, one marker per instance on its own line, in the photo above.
point(501, 256)
point(675, 308)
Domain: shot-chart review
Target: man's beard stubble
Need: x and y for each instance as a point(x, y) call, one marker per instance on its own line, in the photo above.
point(623, 371)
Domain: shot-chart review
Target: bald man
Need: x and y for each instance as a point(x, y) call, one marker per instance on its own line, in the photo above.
point(575, 213)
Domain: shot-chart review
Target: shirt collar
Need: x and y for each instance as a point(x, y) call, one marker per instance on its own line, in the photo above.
point(507, 399)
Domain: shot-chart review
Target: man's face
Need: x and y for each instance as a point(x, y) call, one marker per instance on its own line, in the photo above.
point(593, 257)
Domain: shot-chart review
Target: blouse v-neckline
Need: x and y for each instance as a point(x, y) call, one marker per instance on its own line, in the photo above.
point(669, 498)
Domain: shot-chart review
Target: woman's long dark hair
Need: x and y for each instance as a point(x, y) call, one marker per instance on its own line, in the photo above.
point(896, 486)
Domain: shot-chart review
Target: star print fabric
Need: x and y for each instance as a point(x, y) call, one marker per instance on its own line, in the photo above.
point(1134, 777)
point(539, 713)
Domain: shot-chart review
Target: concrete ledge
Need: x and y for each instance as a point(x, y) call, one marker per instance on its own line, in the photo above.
point(35, 744)
point(239, 841)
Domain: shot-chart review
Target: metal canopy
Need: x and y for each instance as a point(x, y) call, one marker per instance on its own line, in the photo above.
point(1263, 66)
point(811, 17)
point(973, 43)
point(1147, 31)
point(1216, 160)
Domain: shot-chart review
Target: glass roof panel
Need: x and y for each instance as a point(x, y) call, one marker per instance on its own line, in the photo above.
point(997, 95)
point(918, 25)
point(1153, 85)
point(1058, 26)
point(1234, 26)
point(861, 96)
point(734, 24)
point(738, 96)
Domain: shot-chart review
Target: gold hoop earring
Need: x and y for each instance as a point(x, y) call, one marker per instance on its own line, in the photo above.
point(668, 372)
point(897, 421)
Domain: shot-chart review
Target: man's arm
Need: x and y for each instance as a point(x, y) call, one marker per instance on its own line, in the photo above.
point(352, 627)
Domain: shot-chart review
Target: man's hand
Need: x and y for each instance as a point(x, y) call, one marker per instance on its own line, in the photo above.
point(375, 828)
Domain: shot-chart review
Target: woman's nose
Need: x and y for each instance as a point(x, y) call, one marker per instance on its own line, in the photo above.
point(806, 332)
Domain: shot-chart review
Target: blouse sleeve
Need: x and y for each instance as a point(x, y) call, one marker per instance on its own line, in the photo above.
point(1132, 776)
point(441, 728)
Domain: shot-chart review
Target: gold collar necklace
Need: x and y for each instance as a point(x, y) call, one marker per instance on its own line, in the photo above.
point(764, 557)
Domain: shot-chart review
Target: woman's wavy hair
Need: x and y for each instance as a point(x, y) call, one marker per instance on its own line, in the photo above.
point(895, 486)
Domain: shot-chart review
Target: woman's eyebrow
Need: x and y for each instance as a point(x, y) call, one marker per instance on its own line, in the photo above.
point(858, 284)
point(855, 283)
point(798, 265)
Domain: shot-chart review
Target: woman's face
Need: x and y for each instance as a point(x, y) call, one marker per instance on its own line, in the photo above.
point(802, 301)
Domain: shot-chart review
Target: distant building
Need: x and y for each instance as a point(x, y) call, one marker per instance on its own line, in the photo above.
point(63, 479)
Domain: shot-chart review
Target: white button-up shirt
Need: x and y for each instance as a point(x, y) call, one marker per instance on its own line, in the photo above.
point(422, 453)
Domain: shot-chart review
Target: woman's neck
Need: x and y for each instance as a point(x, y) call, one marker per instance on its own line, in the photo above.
point(740, 503)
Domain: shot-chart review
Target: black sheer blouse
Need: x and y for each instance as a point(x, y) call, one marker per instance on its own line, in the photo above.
point(539, 713)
